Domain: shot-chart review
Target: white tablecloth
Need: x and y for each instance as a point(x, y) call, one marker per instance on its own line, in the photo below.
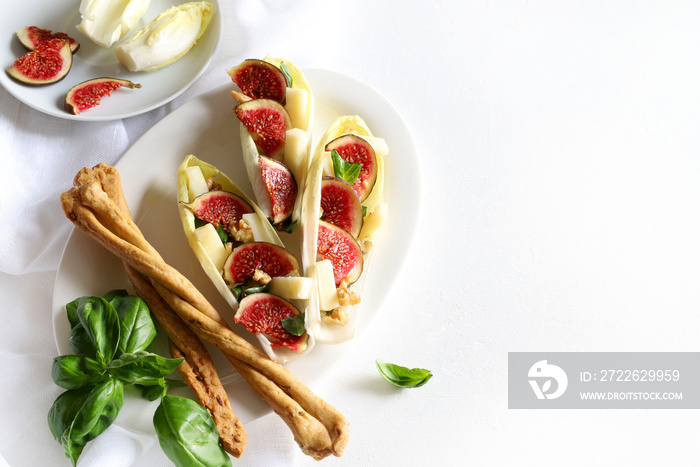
point(560, 166)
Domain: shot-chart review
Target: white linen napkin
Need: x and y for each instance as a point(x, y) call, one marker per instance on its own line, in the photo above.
point(39, 156)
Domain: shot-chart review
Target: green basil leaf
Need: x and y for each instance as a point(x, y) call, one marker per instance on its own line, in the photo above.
point(286, 225)
point(287, 74)
point(252, 290)
point(237, 289)
point(187, 434)
point(143, 368)
point(154, 392)
point(76, 371)
point(97, 412)
point(364, 211)
point(199, 222)
point(403, 377)
point(115, 294)
point(64, 410)
point(80, 342)
point(101, 324)
point(294, 324)
point(348, 171)
point(72, 312)
point(136, 327)
point(223, 235)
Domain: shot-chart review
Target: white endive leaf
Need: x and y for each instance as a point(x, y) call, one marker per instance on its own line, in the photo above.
point(167, 38)
point(107, 21)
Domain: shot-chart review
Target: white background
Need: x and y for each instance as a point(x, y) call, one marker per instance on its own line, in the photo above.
point(560, 166)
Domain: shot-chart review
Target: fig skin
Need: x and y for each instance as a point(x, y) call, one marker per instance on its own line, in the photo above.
point(262, 313)
point(343, 251)
point(267, 122)
point(259, 79)
point(220, 208)
point(281, 186)
point(340, 205)
point(353, 148)
point(88, 94)
point(271, 259)
point(32, 36)
point(52, 58)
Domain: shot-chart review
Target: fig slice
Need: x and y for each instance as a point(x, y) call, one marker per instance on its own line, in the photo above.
point(88, 94)
point(340, 205)
point(32, 36)
point(262, 313)
point(342, 250)
point(259, 261)
point(281, 187)
point(353, 148)
point(49, 63)
point(259, 79)
point(220, 208)
point(267, 122)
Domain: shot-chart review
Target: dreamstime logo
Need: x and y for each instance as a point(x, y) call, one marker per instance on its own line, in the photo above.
point(545, 373)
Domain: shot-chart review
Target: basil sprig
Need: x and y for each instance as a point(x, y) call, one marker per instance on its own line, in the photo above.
point(187, 434)
point(402, 376)
point(348, 171)
point(108, 335)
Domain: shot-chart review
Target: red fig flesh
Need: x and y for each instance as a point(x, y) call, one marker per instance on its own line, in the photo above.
point(49, 63)
point(262, 313)
point(343, 251)
point(353, 148)
point(281, 187)
point(267, 122)
point(32, 36)
point(259, 79)
point(251, 260)
point(220, 208)
point(88, 94)
point(340, 205)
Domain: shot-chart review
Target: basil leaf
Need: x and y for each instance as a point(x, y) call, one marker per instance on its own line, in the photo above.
point(72, 312)
point(364, 211)
point(64, 410)
point(294, 324)
point(101, 324)
point(401, 376)
point(223, 235)
point(76, 371)
point(97, 412)
point(187, 434)
point(136, 327)
point(287, 74)
point(348, 171)
point(143, 368)
point(199, 222)
point(154, 392)
point(61, 416)
point(115, 294)
point(80, 342)
point(238, 289)
point(252, 290)
point(286, 225)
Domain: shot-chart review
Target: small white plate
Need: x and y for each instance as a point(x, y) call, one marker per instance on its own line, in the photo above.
point(208, 128)
point(93, 61)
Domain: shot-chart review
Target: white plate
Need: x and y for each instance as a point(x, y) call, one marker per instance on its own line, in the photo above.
point(208, 128)
point(93, 61)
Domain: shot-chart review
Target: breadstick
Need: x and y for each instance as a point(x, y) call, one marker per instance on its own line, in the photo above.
point(197, 369)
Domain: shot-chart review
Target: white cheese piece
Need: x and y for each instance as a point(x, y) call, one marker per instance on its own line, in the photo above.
point(195, 182)
point(327, 294)
point(211, 242)
point(296, 103)
point(291, 287)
